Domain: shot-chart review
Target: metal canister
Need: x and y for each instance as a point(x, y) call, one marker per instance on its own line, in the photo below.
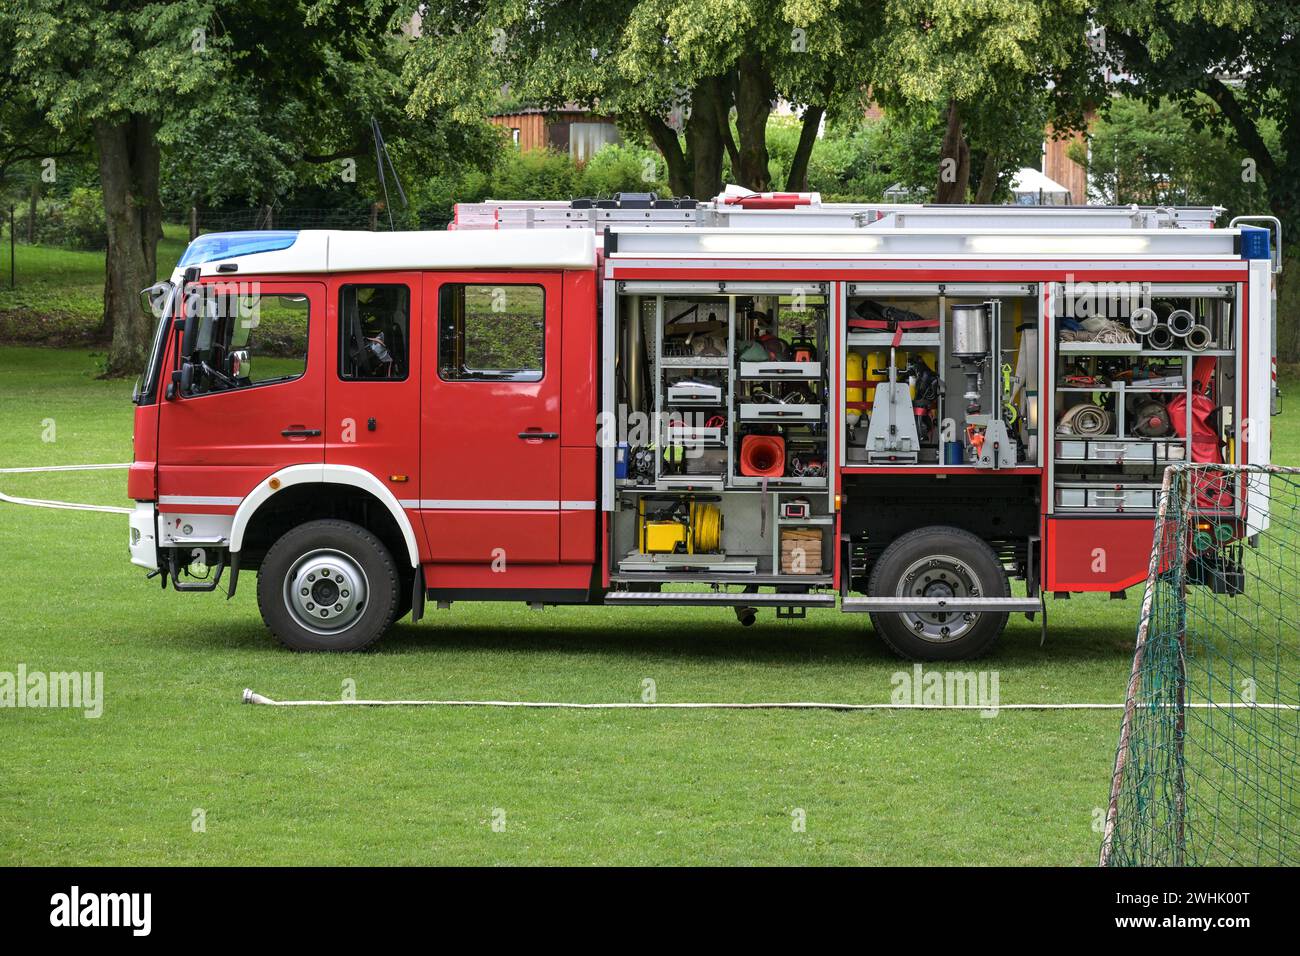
point(970, 331)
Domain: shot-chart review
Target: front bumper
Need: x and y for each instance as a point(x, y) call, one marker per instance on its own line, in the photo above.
point(143, 535)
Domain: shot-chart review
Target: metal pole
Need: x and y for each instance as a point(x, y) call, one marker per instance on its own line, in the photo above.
point(1188, 494)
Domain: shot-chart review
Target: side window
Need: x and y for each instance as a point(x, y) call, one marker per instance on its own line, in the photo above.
point(374, 332)
point(491, 333)
point(247, 338)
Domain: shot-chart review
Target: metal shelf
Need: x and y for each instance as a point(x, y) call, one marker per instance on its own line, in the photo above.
point(910, 340)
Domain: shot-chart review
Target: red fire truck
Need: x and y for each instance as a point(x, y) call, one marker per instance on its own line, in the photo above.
point(937, 416)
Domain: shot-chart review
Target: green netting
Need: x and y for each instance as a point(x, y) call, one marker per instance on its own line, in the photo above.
point(1205, 772)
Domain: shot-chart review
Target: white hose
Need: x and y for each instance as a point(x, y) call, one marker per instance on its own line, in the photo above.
point(1180, 321)
point(62, 505)
point(1143, 320)
point(1198, 339)
point(1160, 338)
point(251, 697)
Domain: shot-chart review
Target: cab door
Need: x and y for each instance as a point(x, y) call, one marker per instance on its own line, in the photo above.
point(256, 405)
point(490, 443)
point(372, 391)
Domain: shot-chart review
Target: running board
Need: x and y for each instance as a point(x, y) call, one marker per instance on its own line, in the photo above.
point(718, 599)
point(997, 605)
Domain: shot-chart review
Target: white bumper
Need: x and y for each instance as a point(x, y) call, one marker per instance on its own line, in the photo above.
point(143, 536)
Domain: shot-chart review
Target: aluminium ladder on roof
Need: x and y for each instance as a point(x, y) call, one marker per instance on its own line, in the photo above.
point(814, 214)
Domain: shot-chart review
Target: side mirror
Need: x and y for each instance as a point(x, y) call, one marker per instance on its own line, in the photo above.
point(240, 364)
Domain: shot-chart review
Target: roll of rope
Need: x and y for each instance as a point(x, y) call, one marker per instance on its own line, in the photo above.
point(1086, 420)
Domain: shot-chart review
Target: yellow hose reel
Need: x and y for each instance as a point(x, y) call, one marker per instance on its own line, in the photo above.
point(684, 527)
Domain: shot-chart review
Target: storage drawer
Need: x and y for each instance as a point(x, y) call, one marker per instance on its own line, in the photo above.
point(774, 484)
point(694, 395)
point(690, 483)
point(779, 412)
point(1119, 451)
point(1103, 450)
point(1107, 497)
point(791, 370)
point(693, 434)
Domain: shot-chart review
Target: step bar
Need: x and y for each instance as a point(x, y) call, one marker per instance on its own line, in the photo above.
point(717, 599)
point(895, 605)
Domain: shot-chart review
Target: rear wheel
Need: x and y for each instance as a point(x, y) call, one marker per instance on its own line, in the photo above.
point(328, 586)
point(931, 563)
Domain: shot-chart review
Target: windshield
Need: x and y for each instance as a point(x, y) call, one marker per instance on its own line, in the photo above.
point(246, 337)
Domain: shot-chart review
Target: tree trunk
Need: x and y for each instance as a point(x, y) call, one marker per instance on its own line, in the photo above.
point(670, 146)
point(754, 96)
point(726, 95)
point(988, 180)
point(954, 160)
point(703, 141)
point(797, 180)
point(128, 172)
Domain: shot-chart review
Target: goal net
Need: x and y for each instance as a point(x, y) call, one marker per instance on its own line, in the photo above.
point(1205, 771)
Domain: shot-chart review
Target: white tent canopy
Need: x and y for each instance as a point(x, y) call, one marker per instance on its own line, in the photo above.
point(1032, 188)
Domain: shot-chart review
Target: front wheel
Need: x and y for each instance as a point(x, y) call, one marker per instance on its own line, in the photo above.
point(328, 586)
point(938, 562)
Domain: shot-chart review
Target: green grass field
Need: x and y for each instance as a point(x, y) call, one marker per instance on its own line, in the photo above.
point(422, 785)
point(425, 785)
point(58, 298)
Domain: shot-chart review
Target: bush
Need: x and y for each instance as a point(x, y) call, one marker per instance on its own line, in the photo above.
point(74, 223)
point(536, 174)
point(624, 168)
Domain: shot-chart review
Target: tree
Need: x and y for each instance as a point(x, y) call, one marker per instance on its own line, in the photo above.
point(1155, 156)
point(229, 83)
point(1232, 67)
point(672, 71)
point(994, 72)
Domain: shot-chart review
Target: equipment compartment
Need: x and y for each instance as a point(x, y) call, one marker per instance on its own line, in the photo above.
point(1107, 497)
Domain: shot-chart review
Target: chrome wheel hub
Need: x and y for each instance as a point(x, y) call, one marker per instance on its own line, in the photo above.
point(326, 591)
point(939, 576)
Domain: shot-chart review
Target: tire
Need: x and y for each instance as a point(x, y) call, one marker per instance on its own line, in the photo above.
point(351, 581)
point(405, 588)
point(935, 561)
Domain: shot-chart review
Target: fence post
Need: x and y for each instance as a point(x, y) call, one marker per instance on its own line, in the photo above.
point(13, 259)
point(374, 216)
point(31, 214)
point(194, 223)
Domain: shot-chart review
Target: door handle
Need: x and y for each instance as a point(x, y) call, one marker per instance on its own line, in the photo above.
point(531, 435)
point(301, 433)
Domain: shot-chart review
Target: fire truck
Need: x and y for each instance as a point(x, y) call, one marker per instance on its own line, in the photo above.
point(934, 415)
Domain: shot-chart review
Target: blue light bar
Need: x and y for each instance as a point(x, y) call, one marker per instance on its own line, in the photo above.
point(227, 245)
point(1255, 243)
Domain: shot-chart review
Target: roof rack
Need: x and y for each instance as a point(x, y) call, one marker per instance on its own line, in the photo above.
point(740, 208)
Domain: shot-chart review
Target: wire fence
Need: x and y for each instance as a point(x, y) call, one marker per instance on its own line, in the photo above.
point(1206, 768)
